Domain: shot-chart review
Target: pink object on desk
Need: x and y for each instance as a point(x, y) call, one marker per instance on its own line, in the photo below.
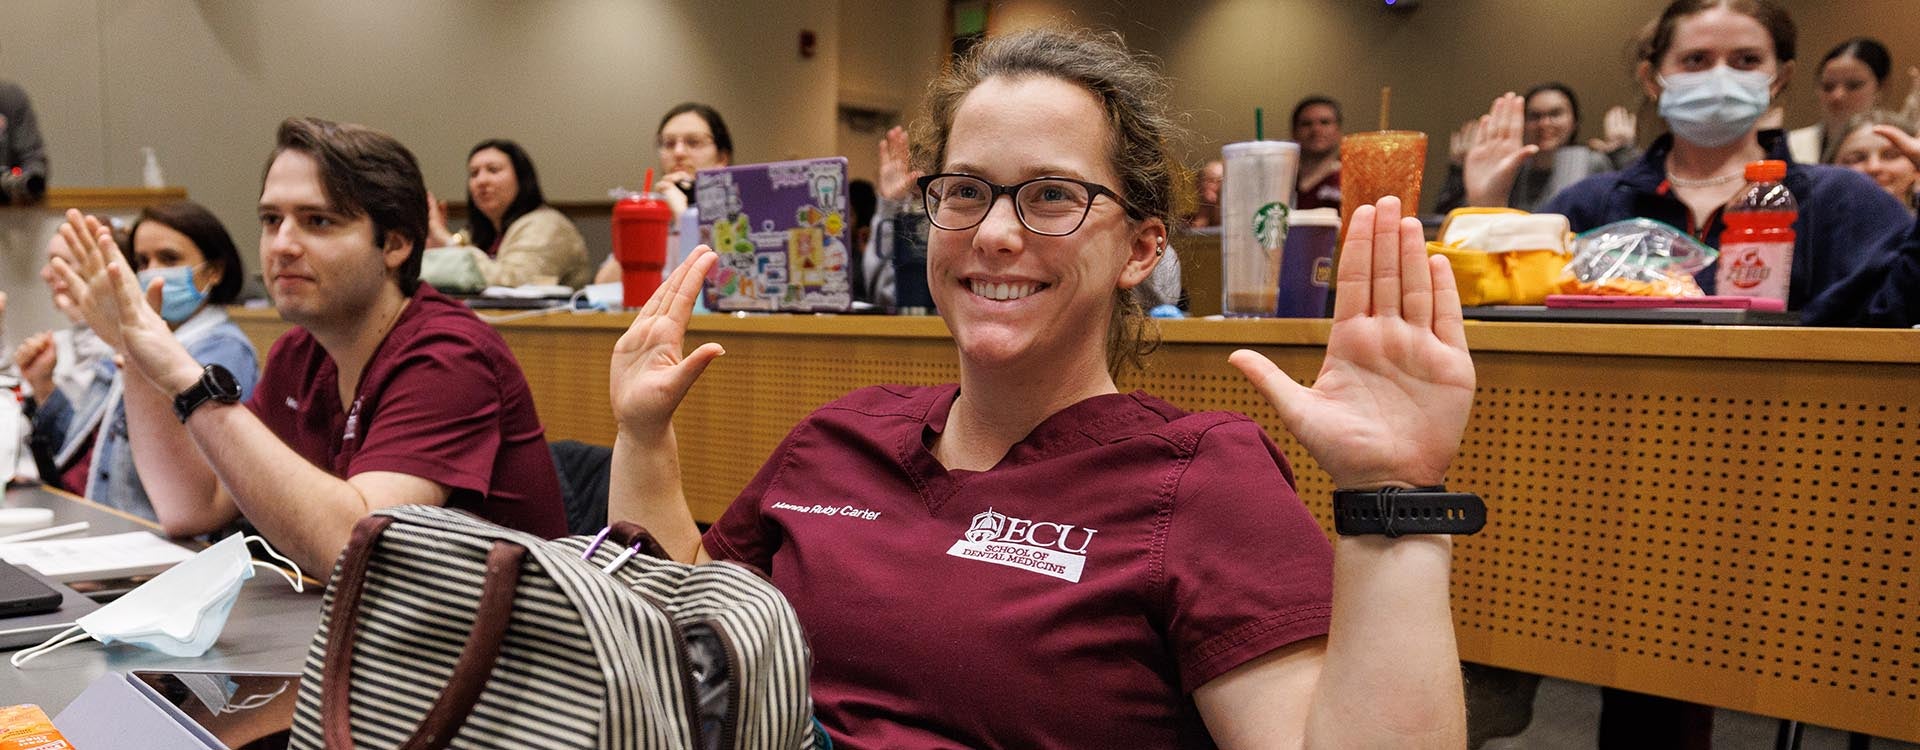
point(1762, 304)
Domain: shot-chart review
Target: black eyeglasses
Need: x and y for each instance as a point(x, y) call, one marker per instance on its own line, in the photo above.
point(1050, 206)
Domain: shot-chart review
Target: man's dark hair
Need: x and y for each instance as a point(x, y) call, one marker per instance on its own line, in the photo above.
point(368, 173)
point(1294, 121)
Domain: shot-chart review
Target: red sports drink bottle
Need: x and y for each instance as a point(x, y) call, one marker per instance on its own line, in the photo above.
point(1756, 250)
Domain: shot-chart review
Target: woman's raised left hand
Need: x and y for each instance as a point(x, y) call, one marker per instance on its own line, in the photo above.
point(1393, 394)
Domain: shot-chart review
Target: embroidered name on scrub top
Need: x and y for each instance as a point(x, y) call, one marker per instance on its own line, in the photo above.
point(845, 511)
point(1053, 549)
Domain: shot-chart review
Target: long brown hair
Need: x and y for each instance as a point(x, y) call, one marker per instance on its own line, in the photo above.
point(1133, 94)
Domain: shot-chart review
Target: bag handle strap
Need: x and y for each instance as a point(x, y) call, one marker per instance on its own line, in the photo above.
point(628, 534)
point(450, 711)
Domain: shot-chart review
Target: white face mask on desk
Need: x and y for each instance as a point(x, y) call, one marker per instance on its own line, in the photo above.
point(181, 611)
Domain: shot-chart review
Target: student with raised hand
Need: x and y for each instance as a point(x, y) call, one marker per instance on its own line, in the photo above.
point(1040, 560)
point(1714, 66)
point(515, 237)
point(384, 393)
point(895, 191)
point(81, 439)
point(1554, 158)
point(69, 360)
point(691, 137)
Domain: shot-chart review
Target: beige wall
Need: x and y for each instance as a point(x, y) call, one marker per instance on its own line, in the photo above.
point(889, 50)
point(582, 82)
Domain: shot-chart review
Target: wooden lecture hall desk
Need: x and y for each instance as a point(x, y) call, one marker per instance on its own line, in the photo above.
point(268, 631)
point(1719, 514)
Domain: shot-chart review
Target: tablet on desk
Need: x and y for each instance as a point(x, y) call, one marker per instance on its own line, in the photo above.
point(235, 709)
point(183, 710)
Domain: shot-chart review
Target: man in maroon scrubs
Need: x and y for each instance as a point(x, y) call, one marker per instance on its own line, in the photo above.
point(385, 393)
point(1316, 127)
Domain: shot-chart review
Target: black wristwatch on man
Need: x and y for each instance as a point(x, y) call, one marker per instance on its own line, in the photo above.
point(1396, 511)
point(215, 384)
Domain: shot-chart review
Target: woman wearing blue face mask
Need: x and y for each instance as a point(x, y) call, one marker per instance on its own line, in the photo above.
point(1713, 67)
point(183, 248)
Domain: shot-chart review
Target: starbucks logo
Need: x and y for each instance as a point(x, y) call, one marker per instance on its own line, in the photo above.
point(1270, 225)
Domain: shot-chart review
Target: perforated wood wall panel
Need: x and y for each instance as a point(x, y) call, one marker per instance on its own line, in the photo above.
point(1694, 524)
point(1732, 522)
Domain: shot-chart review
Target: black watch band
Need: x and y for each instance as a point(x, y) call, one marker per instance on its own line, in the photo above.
point(215, 384)
point(1394, 511)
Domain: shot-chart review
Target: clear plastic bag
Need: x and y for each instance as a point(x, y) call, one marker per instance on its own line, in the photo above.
point(1636, 257)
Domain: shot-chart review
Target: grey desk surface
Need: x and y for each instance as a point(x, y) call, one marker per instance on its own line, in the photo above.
point(268, 631)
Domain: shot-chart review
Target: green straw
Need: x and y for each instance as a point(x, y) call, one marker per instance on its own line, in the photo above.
point(1259, 125)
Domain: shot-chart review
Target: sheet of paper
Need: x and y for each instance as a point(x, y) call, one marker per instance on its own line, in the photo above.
point(95, 558)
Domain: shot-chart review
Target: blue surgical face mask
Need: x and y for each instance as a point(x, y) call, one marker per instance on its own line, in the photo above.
point(179, 298)
point(1715, 107)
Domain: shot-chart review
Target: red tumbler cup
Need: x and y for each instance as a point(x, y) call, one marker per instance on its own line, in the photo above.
point(640, 222)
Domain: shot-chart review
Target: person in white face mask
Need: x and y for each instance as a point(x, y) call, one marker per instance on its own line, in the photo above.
point(84, 441)
point(1713, 67)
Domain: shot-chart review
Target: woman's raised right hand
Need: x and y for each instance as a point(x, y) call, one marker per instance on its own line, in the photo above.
point(1497, 150)
point(1620, 128)
point(650, 375)
point(438, 235)
point(36, 356)
point(897, 175)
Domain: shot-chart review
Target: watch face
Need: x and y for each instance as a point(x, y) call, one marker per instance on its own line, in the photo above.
point(222, 384)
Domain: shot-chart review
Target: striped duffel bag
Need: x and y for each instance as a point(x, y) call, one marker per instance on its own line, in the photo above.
point(443, 630)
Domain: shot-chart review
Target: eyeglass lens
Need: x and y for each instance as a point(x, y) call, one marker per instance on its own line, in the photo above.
point(1049, 207)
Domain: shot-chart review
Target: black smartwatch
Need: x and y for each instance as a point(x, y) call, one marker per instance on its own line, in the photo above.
point(216, 384)
point(1395, 511)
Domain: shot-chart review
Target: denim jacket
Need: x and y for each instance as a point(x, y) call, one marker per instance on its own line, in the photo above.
point(65, 426)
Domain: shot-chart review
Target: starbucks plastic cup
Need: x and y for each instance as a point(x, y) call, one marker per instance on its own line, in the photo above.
point(1256, 197)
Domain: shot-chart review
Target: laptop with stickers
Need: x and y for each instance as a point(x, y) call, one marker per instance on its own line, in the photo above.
point(781, 232)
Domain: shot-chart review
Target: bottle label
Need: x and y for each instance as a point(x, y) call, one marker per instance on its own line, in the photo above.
point(1754, 269)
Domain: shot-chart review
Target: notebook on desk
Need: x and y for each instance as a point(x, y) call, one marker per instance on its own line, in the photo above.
point(780, 230)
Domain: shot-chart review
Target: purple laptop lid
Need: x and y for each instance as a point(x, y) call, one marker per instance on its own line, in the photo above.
point(781, 232)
